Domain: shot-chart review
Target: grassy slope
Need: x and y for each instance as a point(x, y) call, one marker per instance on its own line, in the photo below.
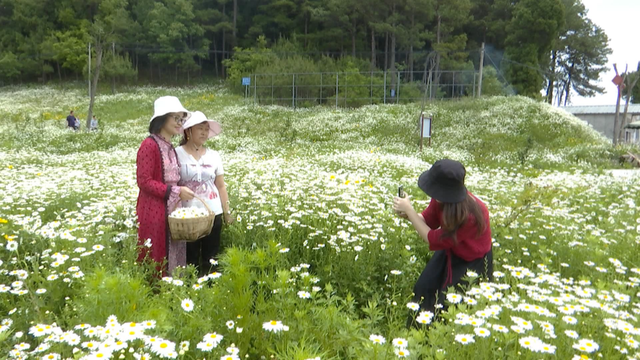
point(494, 131)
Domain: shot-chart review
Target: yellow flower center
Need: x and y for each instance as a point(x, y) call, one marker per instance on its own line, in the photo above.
point(163, 345)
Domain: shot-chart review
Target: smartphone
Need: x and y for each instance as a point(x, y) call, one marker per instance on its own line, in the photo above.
point(400, 191)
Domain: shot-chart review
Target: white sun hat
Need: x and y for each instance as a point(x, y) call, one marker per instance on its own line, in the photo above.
point(167, 104)
point(197, 117)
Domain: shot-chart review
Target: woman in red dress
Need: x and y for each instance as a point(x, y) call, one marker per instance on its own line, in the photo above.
point(455, 226)
point(158, 173)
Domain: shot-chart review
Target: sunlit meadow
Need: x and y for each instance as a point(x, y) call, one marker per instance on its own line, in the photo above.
point(317, 266)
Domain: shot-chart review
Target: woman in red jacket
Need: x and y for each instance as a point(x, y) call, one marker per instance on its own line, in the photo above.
point(455, 225)
point(158, 173)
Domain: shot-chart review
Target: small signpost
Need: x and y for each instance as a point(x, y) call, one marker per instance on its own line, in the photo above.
point(425, 128)
point(246, 82)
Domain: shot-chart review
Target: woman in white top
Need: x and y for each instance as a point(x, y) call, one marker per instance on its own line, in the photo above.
point(201, 171)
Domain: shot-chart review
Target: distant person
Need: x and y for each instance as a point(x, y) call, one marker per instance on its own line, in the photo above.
point(456, 226)
point(158, 173)
point(72, 122)
point(94, 124)
point(201, 171)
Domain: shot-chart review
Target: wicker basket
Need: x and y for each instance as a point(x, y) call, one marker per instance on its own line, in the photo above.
point(192, 229)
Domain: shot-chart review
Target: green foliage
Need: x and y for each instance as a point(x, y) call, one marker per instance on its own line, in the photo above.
point(70, 48)
point(9, 66)
point(118, 66)
point(177, 40)
point(635, 93)
point(491, 85)
point(578, 58)
point(532, 32)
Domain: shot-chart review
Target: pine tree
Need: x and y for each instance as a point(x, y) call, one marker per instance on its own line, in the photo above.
point(578, 58)
point(532, 33)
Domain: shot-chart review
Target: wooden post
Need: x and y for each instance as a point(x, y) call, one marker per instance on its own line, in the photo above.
point(421, 127)
point(430, 128)
point(616, 124)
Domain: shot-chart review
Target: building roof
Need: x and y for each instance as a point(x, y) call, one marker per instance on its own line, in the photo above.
point(602, 109)
point(633, 125)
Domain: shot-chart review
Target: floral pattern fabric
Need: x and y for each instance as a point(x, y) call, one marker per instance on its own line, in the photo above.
point(177, 250)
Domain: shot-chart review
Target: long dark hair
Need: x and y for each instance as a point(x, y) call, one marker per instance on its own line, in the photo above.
point(157, 124)
point(454, 215)
point(184, 139)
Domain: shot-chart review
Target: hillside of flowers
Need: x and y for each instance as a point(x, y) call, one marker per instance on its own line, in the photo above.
point(317, 266)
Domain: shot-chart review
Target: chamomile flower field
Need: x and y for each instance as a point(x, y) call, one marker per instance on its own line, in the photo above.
point(317, 266)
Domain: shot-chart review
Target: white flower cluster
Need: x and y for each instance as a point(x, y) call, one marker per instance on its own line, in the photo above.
point(188, 213)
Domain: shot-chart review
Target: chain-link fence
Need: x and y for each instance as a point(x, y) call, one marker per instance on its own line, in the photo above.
point(353, 89)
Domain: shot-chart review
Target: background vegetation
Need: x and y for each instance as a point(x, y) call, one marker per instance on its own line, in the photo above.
point(533, 45)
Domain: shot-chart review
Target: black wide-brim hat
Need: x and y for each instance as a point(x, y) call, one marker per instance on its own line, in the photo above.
point(444, 181)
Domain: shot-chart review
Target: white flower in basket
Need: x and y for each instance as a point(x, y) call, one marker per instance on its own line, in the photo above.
point(191, 223)
point(188, 213)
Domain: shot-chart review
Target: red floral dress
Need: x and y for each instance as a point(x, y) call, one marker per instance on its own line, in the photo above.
point(158, 173)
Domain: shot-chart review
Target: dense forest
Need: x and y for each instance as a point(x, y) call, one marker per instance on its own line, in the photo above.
point(535, 46)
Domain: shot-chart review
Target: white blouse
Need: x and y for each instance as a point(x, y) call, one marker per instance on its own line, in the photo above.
point(200, 177)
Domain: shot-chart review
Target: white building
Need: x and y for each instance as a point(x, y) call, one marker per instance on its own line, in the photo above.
point(602, 118)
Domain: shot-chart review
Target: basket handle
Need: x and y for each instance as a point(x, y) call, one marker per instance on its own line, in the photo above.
point(204, 203)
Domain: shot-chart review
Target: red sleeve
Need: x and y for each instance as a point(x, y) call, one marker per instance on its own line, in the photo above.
point(431, 215)
point(436, 242)
point(148, 158)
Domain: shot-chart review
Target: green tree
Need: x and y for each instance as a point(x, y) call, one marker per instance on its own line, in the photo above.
point(578, 58)
point(533, 31)
point(9, 66)
point(418, 14)
point(70, 47)
point(447, 38)
point(108, 25)
point(635, 93)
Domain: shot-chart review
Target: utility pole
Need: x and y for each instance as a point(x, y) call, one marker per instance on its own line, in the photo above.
point(89, 68)
point(481, 68)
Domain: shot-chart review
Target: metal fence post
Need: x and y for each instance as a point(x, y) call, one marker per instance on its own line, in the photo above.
point(346, 88)
point(371, 88)
point(293, 91)
point(271, 89)
point(453, 91)
point(384, 87)
point(398, 91)
point(337, 75)
point(320, 102)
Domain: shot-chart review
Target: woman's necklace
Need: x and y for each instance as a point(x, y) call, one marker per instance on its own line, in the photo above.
point(197, 149)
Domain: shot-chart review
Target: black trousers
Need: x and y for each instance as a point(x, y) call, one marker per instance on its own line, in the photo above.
point(430, 291)
point(201, 251)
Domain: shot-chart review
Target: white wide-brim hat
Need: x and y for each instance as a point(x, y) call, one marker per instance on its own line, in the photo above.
point(197, 117)
point(168, 104)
